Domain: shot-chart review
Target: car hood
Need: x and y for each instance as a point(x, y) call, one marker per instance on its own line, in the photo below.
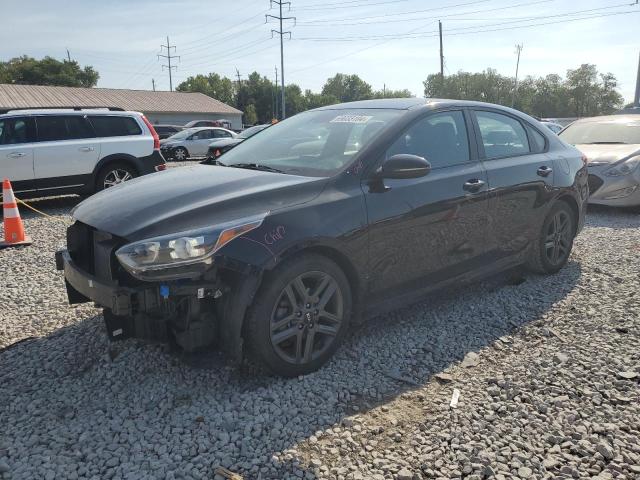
point(225, 142)
point(607, 153)
point(182, 199)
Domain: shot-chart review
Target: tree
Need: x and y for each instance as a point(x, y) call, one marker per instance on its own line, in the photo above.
point(250, 115)
point(316, 100)
point(213, 85)
point(347, 88)
point(584, 92)
point(392, 94)
point(48, 71)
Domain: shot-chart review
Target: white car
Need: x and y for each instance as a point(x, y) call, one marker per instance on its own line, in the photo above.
point(61, 151)
point(193, 142)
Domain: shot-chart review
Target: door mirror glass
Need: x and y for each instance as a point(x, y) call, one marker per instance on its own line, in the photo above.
point(404, 165)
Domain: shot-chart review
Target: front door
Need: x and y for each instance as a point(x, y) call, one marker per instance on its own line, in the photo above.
point(16, 153)
point(428, 229)
point(520, 176)
point(199, 143)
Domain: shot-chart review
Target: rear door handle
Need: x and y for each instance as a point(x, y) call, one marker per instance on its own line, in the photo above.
point(16, 155)
point(544, 171)
point(86, 149)
point(474, 185)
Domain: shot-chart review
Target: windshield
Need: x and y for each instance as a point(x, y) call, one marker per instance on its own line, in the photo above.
point(605, 131)
point(183, 134)
point(251, 131)
point(315, 143)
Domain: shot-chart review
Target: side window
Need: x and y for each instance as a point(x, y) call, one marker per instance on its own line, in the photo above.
point(78, 127)
point(538, 142)
point(52, 128)
point(221, 134)
point(112, 126)
point(441, 138)
point(14, 131)
point(502, 136)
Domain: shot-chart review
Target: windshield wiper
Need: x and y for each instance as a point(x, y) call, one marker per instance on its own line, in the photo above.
point(255, 166)
point(608, 143)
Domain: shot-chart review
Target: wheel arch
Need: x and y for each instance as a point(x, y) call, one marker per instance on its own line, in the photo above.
point(115, 158)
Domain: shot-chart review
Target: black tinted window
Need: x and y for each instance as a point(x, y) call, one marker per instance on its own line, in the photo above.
point(15, 131)
point(221, 134)
point(106, 126)
point(440, 138)
point(502, 136)
point(69, 127)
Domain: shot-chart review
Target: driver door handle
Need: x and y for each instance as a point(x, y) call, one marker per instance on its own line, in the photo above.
point(16, 155)
point(544, 171)
point(474, 185)
point(86, 149)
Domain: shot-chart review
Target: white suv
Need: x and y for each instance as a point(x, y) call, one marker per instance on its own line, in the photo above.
point(55, 151)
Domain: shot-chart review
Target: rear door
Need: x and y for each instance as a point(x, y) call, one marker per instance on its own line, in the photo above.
point(520, 176)
point(66, 151)
point(426, 230)
point(16, 152)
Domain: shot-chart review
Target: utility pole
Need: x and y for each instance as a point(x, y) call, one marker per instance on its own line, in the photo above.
point(153, 82)
point(275, 97)
point(168, 56)
point(239, 89)
point(384, 90)
point(636, 100)
point(282, 33)
point(441, 56)
point(68, 56)
point(515, 86)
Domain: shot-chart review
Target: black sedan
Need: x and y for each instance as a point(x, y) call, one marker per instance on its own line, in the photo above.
point(323, 220)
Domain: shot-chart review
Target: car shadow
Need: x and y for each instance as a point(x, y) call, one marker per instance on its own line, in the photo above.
point(78, 386)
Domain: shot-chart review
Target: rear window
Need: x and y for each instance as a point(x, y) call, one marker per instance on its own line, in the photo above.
point(62, 127)
point(114, 126)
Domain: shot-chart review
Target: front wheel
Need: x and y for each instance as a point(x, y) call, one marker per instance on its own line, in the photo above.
point(300, 316)
point(551, 250)
point(180, 154)
point(114, 174)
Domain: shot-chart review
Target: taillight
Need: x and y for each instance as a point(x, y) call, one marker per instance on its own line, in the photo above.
point(154, 134)
point(161, 167)
point(217, 154)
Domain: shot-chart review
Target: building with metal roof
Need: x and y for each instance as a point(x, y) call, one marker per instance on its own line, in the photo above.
point(176, 108)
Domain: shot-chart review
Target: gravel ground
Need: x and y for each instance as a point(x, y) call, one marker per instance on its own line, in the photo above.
point(547, 370)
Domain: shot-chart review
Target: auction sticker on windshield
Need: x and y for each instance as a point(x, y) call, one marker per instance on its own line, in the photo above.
point(351, 119)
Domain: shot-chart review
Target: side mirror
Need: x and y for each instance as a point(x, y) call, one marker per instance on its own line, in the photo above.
point(404, 166)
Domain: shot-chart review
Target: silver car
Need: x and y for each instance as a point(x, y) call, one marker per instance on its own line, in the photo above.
point(612, 147)
point(192, 142)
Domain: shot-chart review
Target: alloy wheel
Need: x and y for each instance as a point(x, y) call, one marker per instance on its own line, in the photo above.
point(557, 243)
point(114, 177)
point(306, 318)
point(180, 154)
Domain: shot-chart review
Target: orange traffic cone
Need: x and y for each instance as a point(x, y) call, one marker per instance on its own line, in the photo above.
point(13, 227)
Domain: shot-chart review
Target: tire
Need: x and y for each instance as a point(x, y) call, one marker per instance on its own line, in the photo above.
point(290, 335)
point(180, 154)
point(113, 174)
point(550, 251)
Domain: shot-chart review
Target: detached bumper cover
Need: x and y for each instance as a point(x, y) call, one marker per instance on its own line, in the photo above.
point(86, 287)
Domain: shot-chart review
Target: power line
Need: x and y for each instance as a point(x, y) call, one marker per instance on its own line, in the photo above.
point(168, 56)
point(282, 33)
point(320, 6)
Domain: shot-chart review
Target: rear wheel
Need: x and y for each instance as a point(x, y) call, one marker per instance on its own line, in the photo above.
point(114, 174)
point(180, 154)
point(551, 250)
point(300, 316)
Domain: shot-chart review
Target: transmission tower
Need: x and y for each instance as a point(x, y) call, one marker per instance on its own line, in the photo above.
point(168, 56)
point(282, 33)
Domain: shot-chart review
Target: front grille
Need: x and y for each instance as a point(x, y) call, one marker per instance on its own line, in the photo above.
point(595, 183)
point(80, 245)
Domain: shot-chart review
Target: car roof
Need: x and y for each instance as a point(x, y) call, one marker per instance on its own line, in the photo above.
point(412, 103)
point(68, 111)
point(610, 118)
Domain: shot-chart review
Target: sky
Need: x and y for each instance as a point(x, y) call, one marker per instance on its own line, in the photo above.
point(392, 43)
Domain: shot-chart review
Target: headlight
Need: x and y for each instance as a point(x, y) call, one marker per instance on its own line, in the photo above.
point(623, 168)
point(184, 254)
